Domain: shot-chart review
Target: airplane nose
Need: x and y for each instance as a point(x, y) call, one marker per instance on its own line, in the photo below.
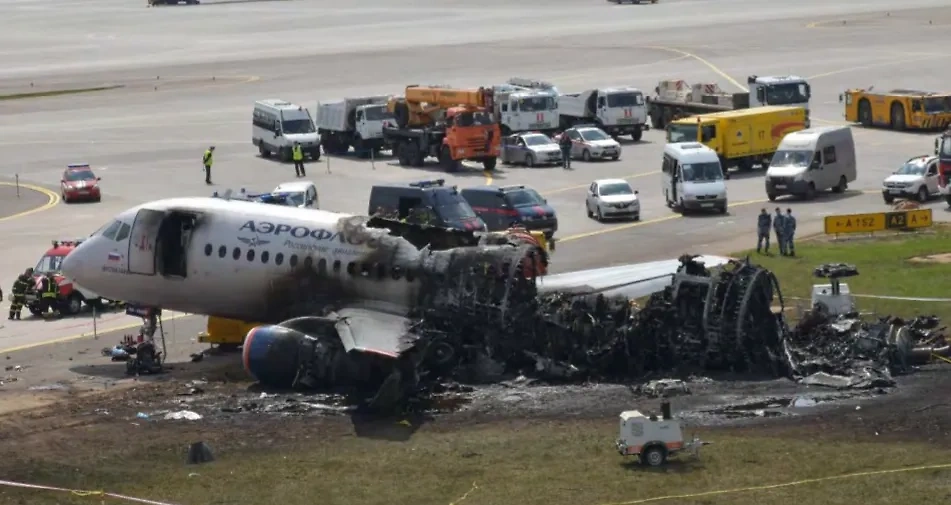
point(74, 264)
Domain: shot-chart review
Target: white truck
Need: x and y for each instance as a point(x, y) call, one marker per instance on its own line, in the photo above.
point(617, 111)
point(353, 122)
point(675, 98)
point(526, 105)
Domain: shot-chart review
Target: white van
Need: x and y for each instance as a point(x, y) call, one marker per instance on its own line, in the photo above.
point(277, 124)
point(812, 160)
point(693, 178)
point(299, 194)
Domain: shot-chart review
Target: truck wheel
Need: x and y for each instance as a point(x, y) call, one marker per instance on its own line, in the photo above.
point(315, 154)
point(654, 456)
point(264, 152)
point(657, 121)
point(489, 164)
point(771, 196)
point(923, 194)
point(636, 136)
point(35, 309)
point(811, 192)
point(403, 154)
point(889, 199)
point(360, 148)
point(898, 117)
point(842, 186)
point(445, 159)
point(73, 304)
point(865, 112)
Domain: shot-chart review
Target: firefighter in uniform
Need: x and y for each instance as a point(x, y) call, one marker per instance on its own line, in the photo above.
point(298, 155)
point(49, 292)
point(20, 287)
point(207, 161)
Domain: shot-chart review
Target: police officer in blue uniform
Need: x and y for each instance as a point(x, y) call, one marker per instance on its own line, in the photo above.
point(565, 144)
point(789, 229)
point(763, 223)
point(780, 228)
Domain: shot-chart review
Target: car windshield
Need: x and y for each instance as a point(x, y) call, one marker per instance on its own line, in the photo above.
point(937, 104)
point(49, 264)
point(297, 126)
point(627, 99)
point(377, 113)
point(791, 159)
point(79, 175)
point(296, 198)
point(451, 206)
point(681, 133)
point(615, 188)
point(911, 168)
point(593, 134)
point(702, 172)
point(787, 93)
point(474, 119)
point(538, 140)
point(536, 103)
point(524, 198)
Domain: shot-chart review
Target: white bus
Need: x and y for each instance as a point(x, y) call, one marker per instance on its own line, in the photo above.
point(278, 124)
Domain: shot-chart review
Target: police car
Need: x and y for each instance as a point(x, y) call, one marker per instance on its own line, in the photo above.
point(530, 149)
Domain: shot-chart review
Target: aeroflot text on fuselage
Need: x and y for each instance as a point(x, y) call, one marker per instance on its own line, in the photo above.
point(300, 232)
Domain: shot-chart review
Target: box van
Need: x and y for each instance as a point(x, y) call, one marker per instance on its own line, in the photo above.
point(299, 194)
point(693, 178)
point(812, 160)
point(425, 202)
point(277, 124)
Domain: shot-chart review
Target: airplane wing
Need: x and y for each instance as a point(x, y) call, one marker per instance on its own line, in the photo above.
point(373, 330)
point(633, 281)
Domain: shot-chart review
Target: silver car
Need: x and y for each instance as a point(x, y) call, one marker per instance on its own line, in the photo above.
point(530, 149)
point(590, 142)
point(609, 198)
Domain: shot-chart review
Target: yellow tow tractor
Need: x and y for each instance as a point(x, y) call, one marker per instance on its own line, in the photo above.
point(227, 334)
point(898, 109)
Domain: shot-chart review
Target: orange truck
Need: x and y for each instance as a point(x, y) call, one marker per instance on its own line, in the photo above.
point(448, 124)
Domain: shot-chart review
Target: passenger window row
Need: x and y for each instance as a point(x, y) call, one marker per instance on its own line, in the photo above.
point(377, 270)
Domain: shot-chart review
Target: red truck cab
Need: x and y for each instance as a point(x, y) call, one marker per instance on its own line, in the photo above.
point(71, 296)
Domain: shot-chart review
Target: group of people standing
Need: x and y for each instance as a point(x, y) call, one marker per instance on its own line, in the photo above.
point(784, 225)
point(45, 286)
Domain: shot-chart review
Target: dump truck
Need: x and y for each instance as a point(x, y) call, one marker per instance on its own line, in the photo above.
point(353, 122)
point(448, 124)
point(676, 99)
point(898, 109)
point(617, 111)
point(526, 105)
point(742, 138)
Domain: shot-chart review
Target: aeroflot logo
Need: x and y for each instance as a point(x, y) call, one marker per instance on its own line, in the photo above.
point(303, 232)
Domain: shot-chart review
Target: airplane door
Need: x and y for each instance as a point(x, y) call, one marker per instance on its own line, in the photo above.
point(142, 241)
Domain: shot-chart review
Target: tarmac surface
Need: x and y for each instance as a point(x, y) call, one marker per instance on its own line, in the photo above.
point(189, 76)
point(15, 202)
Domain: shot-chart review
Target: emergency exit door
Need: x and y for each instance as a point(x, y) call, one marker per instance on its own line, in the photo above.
point(142, 241)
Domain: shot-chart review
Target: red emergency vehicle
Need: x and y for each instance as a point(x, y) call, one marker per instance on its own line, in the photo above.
point(942, 148)
point(71, 295)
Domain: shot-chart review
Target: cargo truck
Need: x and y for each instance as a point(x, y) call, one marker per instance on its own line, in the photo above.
point(353, 122)
point(676, 99)
point(526, 105)
point(741, 138)
point(448, 124)
point(617, 111)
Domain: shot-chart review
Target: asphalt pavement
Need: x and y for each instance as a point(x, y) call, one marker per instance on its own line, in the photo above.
point(190, 74)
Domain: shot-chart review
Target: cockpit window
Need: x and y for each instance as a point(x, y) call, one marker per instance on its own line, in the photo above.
point(112, 230)
point(123, 232)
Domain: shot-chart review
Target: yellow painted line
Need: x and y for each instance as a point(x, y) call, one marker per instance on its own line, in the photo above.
point(53, 200)
point(583, 186)
point(873, 65)
point(71, 338)
point(709, 65)
point(488, 177)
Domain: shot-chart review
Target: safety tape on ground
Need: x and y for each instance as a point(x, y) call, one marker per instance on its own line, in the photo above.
point(886, 297)
point(78, 492)
point(785, 484)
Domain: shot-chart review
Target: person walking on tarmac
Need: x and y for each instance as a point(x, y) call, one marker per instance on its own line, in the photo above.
point(207, 161)
point(298, 155)
point(789, 227)
point(565, 144)
point(763, 223)
point(779, 226)
point(20, 287)
point(49, 290)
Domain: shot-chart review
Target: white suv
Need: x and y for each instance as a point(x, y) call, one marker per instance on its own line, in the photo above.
point(917, 178)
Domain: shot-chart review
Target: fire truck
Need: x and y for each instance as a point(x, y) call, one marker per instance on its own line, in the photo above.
point(71, 295)
point(942, 148)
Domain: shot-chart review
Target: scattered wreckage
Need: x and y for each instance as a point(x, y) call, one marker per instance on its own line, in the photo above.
point(481, 320)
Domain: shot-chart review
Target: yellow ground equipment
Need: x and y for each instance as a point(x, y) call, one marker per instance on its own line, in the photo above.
point(744, 137)
point(898, 109)
point(225, 332)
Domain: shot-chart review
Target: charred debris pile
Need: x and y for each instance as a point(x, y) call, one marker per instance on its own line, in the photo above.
point(729, 319)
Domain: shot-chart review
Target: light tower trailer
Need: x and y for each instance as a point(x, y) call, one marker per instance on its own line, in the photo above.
point(654, 440)
point(353, 122)
point(617, 111)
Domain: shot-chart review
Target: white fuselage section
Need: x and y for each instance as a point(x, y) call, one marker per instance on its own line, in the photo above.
point(244, 260)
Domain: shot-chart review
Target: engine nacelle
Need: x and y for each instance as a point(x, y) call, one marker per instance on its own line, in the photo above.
point(272, 355)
